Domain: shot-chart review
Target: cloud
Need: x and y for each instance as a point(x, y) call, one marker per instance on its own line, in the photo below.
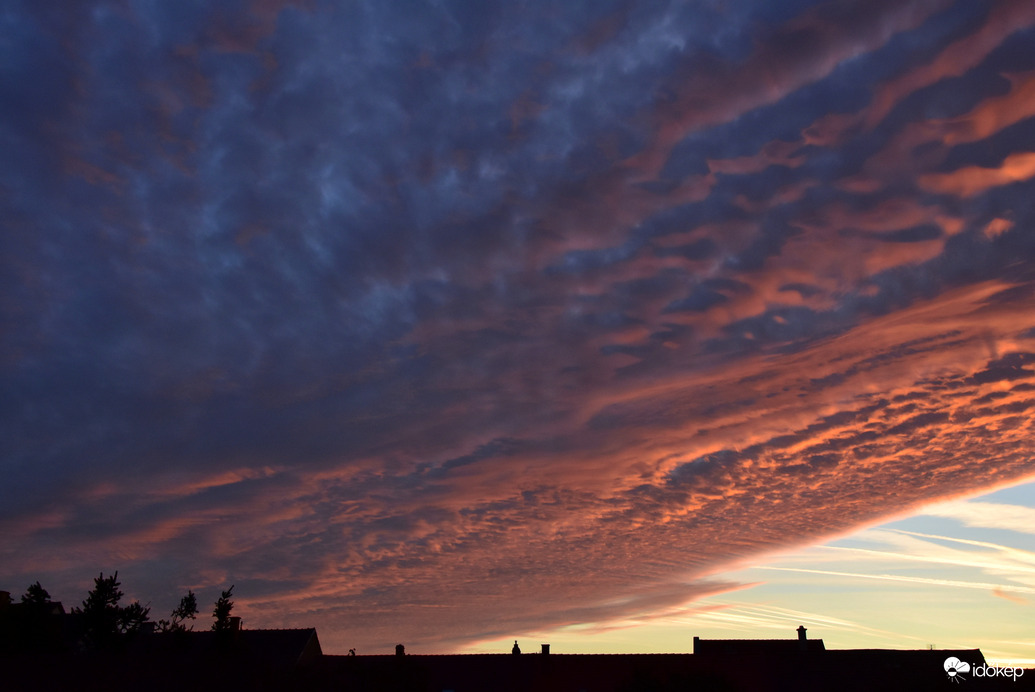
point(919, 558)
point(443, 325)
point(738, 617)
point(989, 515)
point(803, 51)
point(972, 180)
point(1013, 598)
point(1002, 20)
point(954, 583)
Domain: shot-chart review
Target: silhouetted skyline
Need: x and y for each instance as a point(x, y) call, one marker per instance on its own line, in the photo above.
point(41, 644)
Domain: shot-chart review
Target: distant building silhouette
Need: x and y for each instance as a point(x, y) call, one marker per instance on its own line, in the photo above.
point(293, 659)
point(757, 647)
point(738, 665)
point(26, 626)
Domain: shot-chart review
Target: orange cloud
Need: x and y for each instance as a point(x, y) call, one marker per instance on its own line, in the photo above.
point(1004, 19)
point(984, 120)
point(997, 227)
point(995, 114)
point(658, 483)
point(969, 181)
point(1012, 597)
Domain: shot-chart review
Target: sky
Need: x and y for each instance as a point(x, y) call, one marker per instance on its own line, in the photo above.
point(447, 323)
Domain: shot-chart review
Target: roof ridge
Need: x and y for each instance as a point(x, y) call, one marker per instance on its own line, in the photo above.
point(277, 629)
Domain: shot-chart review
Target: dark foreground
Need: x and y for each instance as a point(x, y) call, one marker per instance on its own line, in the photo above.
point(195, 666)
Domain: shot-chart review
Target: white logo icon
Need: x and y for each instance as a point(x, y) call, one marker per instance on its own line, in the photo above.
point(955, 668)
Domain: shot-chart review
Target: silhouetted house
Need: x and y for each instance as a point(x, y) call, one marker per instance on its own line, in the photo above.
point(758, 647)
point(11, 609)
point(270, 650)
point(283, 649)
point(31, 625)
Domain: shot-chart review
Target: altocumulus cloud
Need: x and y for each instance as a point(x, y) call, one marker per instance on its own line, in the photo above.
point(451, 321)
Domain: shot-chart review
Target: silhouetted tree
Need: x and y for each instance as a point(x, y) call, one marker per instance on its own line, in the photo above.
point(100, 609)
point(36, 595)
point(33, 625)
point(222, 611)
point(187, 610)
point(103, 619)
point(132, 617)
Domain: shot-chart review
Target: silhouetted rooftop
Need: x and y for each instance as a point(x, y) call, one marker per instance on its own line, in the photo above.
point(755, 647)
point(270, 648)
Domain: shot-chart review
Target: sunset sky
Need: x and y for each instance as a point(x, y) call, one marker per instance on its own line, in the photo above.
point(604, 323)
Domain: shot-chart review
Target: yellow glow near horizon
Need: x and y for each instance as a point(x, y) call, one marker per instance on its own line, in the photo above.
point(829, 589)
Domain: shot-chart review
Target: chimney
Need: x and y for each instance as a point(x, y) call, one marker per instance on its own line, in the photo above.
point(400, 650)
point(235, 623)
point(696, 641)
point(801, 633)
point(546, 648)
